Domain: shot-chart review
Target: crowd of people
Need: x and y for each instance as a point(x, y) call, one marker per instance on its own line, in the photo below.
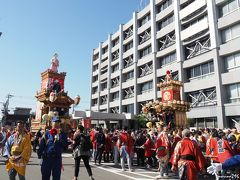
point(173, 152)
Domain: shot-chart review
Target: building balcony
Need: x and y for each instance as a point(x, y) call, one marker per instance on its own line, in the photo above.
point(104, 64)
point(127, 53)
point(145, 78)
point(231, 77)
point(128, 101)
point(166, 30)
point(94, 84)
point(104, 92)
point(231, 109)
point(201, 83)
point(95, 95)
point(95, 62)
point(164, 13)
point(128, 83)
point(191, 8)
point(104, 76)
point(146, 95)
point(229, 47)
point(203, 111)
point(95, 72)
point(144, 27)
point(194, 29)
point(114, 103)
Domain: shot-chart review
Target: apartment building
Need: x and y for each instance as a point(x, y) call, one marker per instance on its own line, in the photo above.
point(198, 40)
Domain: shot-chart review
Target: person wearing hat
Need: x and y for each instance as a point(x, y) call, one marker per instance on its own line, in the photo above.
point(50, 150)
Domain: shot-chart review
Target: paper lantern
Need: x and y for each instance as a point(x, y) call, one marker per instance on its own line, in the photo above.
point(52, 97)
point(77, 100)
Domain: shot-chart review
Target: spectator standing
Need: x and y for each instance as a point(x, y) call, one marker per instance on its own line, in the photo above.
point(81, 150)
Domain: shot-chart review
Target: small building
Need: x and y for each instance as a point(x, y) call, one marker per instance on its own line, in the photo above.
point(19, 114)
point(106, 120)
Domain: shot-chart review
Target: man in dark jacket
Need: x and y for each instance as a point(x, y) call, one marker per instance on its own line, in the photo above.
point(50, 150)
point(100, 143)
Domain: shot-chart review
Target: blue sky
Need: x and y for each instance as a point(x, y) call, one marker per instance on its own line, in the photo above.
point(34, 30)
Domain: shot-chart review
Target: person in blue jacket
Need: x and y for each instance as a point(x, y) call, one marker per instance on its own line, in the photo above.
point(50, 150)
point(229, 163)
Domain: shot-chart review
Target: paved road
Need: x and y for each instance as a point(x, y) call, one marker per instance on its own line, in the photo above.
point(104, 172)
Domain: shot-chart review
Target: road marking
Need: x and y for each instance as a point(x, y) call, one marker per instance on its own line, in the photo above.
point(117, 171)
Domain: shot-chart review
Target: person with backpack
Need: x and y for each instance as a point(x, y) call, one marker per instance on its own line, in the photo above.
point(100, 144)
point(81, 150)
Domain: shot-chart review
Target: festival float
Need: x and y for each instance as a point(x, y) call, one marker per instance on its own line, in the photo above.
point(171, 110)
point(52, 100)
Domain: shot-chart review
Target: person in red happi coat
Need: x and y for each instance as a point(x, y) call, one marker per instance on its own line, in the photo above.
point(188, 158)
point(149, 150)
point(225, 151)
point(212, 147)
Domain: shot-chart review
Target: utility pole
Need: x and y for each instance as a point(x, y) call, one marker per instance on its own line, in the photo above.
point(5, 109)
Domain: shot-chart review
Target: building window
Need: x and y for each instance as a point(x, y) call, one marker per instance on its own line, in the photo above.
point(168, 59)
point(94, 102)
point(95, 78)
point(166, 41)
point(128, 33)
point(198, 47)
point(233, 93)
point(103, 86)
point(94, 90)
point(95, 67)
point(115, 96)
point(104, 50)
point(145, 52)
point(128, 93)
point(163, 6)
point(228, 7)
point(115, 42)
point(146, 70)
point(115, 68)
point(230, 33)
point(95, 56)
point(104, 70)
point(115, 55)
point(168, 20)
point(129, 76)
point(128, 108)
point(128, 61)
point(205, 97)
point(186, 4)
point(103, 60)
point(128, 46)
point(146, 35)
point(201, 71)
point(104, 100)
point(232, 62)
point(199, 19)
point(115, 110)
point(115, 82)
point(146, 87)
point(144, 20)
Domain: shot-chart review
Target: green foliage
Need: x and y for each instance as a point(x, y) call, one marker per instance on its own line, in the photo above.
point(141, 120)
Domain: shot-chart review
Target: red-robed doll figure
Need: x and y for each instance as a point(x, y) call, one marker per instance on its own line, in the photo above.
point(188, 158)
